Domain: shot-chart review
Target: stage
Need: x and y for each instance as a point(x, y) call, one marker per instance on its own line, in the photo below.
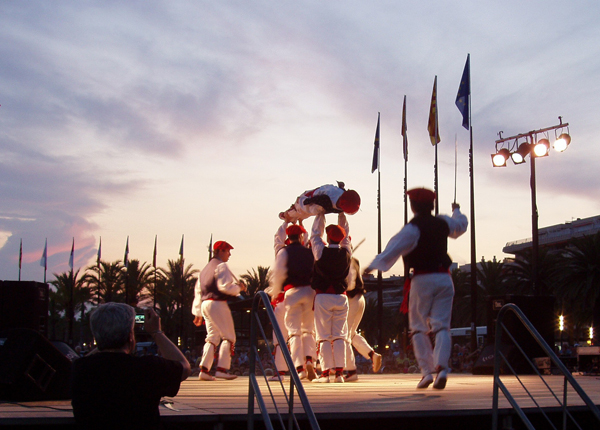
point(372, 399)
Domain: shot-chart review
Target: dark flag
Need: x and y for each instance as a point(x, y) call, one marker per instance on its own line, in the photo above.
point(72, 256)
point(432, 124)
point(464, 91)
point(210, 250)
point(44, 259)
point(126, 256)
point(154, 253)
point(375, 164)
point(20, 255)
point(99, 256)
point(181, 253)
point(404, 136)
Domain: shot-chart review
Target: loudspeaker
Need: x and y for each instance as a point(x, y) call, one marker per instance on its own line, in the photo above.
point(24, 304)
point(31, 368)
point(485, 363)
point(539, 310)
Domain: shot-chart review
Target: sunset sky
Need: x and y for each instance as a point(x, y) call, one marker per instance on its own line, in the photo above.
point(171, 118)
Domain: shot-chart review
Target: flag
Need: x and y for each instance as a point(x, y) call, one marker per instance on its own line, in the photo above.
point(20, 253)
point(154, 254)
point(210, 250)
point(99, 256)
point(44, 259)
point(376, 148)
point(72, 254)
point(464, 91)
point(432, 124)
point(181, 252)
point(404, 136)
point(126, 256)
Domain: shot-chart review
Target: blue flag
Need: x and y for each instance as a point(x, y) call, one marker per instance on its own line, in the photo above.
point(376, 149)
point(464, 91)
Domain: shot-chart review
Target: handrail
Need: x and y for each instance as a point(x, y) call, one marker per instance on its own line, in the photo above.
point(254, 388)
point(499, 358)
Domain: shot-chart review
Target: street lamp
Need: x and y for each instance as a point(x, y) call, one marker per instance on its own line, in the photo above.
point(517, 148)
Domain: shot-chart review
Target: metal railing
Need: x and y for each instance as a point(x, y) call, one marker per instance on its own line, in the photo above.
point(500, 358)
point(254, 391)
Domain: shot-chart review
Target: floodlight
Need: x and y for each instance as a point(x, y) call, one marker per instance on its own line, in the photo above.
point(562, 142)
point(541, 148)
point(518, 157)
point(499, 158)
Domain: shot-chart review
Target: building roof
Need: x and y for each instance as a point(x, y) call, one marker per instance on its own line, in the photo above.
point(557, 235)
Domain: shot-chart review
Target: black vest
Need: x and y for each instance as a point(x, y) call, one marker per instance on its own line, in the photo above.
point(208, 282)
point(331, 270)
point(299, 265)
point(431, 253)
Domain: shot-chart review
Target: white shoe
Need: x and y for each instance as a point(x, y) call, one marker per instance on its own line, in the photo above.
point(277, 378)
point(321, 380)
point(376, 362)
point(440, 381)
point(310, 370)
point(351, 378)
point(425, 381)
point(338, 379)
point(302, 374)
point(203, 376)
point(224, 375)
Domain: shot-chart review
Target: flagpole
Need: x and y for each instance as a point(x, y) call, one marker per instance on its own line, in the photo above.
point(182, 333)
point(455, 163)
point(435, 180)
point(154, 265)
point(379, 273)
point(20, 257)
point(406, 268)
point(463, 102)
point(71, 304)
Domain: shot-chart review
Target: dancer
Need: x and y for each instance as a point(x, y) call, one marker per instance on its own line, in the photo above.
point(217, 284)
point(332, 265)
point(356, 309)
point(292, 274)
point(423, 243)
point(324, 199)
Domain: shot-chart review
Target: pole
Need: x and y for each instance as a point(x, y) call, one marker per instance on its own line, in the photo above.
point(380, 341)
point(473, 251)
point(71, 309)
point(534, 226)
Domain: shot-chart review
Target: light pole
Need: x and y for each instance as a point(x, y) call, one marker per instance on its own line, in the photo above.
point(517, 148)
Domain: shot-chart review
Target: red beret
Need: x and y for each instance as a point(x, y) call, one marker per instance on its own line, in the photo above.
point(349, 202)
point(222, 245)
point(335, 233)
point(295, 229)
point(421, 195)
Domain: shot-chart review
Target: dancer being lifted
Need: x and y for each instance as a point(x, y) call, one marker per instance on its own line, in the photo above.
point(322, 200)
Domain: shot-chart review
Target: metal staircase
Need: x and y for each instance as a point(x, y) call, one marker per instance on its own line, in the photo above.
point(500, 360)
point(254, 389)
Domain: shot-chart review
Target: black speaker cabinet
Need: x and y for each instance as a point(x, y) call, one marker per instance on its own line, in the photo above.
point(24, 304)
point(539, 310)
point(31, 368)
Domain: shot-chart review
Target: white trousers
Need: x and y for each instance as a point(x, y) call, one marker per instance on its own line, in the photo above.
point(219, 326)
point(356, 309)
point(331, 324)
point(430, 310)
point(300, 323)
point(279, 312)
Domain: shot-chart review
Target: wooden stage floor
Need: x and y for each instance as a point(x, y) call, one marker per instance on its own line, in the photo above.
point(389, 395)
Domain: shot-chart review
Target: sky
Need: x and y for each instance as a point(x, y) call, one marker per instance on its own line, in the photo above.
point(175, 119)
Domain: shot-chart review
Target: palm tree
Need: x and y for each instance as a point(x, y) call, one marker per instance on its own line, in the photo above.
point(175, 292)
point(257, 280)
point(68, 283)
point(578, 280)
point(106, 282)
point(137, 281)
point(520, 273)
point(461, 306)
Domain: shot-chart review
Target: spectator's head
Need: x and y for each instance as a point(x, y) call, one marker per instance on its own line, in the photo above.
point(112, 326)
